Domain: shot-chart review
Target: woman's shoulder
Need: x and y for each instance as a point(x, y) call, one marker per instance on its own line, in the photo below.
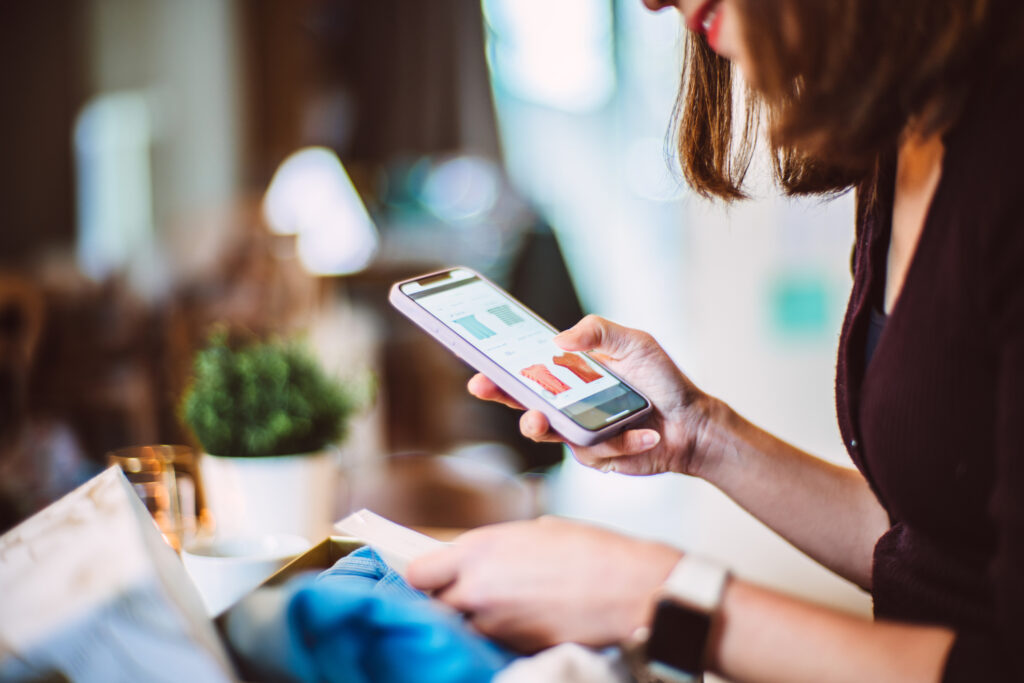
point(985, 189)
point(983, 157)
point(990, 130)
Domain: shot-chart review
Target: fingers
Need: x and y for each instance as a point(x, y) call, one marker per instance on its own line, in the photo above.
point(459, 597)
point(504, 631)
point(594, 333)
point(534, 425)
point(435, 570)
point(483, 388)
point(603, 455)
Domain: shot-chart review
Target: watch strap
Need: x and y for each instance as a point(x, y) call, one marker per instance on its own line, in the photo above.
point(697, 583)
point(675, 645)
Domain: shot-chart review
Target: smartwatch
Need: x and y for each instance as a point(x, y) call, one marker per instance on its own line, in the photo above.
point(673, 648)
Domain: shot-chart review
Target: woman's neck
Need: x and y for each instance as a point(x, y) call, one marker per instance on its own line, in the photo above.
point(919, 161)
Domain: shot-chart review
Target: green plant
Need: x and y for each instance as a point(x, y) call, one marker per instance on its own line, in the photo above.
point(261, 399)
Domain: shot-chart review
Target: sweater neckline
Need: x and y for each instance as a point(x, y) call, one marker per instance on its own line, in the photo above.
point(881, 236)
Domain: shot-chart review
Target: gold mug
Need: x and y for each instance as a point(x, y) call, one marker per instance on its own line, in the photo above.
point(167, 480)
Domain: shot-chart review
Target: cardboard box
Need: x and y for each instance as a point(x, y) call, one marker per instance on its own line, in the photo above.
point(396, 544)
point(252, 625)
point(318, 558)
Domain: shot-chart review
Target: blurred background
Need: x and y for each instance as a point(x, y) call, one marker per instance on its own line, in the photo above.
point(273, 166)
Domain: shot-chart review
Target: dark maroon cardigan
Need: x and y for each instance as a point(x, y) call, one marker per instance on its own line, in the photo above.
point(936, 420)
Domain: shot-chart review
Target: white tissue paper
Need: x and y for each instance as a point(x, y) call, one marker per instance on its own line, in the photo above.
point(92, 592)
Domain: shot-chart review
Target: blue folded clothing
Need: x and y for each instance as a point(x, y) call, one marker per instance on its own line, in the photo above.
point(360, 622)
point(365, 568)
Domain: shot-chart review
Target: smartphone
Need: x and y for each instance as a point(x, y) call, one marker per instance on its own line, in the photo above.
point(484, 325)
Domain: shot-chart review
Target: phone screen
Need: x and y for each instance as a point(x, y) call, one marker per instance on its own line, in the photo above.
point(518, 341)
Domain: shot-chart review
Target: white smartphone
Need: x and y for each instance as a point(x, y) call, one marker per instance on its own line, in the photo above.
point(484, 325)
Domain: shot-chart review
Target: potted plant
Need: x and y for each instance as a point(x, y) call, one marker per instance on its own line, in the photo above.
point(268, 418)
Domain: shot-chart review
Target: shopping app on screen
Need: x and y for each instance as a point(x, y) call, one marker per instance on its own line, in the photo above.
point(514, 339)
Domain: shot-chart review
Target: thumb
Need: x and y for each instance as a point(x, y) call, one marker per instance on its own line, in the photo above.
point(436, 569)
point(594, 333)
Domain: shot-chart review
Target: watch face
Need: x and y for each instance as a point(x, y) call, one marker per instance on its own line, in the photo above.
point(679, 637)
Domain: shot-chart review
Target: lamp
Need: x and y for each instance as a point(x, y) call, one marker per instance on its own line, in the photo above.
point(312, 197)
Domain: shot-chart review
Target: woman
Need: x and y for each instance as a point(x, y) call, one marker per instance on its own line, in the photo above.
point(917, 105)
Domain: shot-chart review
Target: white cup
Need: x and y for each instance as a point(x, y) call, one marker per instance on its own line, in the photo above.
point(225, 569)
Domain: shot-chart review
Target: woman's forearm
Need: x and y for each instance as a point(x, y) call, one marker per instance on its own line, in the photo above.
point(827, 511)
point(763, 636)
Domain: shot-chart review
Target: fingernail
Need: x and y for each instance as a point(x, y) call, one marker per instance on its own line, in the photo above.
point(649, 439)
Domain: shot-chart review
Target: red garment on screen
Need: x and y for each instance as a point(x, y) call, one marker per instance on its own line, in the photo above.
point(577, 366)
point(542, 376)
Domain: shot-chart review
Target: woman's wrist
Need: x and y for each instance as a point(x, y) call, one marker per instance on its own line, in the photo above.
point(683, 624)
point(660, 559)
point(714, 437)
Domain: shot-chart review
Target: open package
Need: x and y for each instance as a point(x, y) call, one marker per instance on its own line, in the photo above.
point(343, 612)
point(90, 591)
point(395, 544)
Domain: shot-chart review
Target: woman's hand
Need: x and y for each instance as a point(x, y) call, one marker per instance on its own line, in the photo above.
point(672, 440)
point(534, 584)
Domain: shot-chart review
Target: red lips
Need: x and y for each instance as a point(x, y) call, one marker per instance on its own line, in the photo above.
point(713, 31)
point(696, 21)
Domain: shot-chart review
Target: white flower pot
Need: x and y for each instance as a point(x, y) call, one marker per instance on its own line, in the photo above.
point(291, 494)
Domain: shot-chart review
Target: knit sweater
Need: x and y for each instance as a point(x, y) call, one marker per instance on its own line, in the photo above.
point(935, 420)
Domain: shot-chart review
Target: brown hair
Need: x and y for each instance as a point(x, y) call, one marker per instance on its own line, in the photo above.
point(837, 82)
